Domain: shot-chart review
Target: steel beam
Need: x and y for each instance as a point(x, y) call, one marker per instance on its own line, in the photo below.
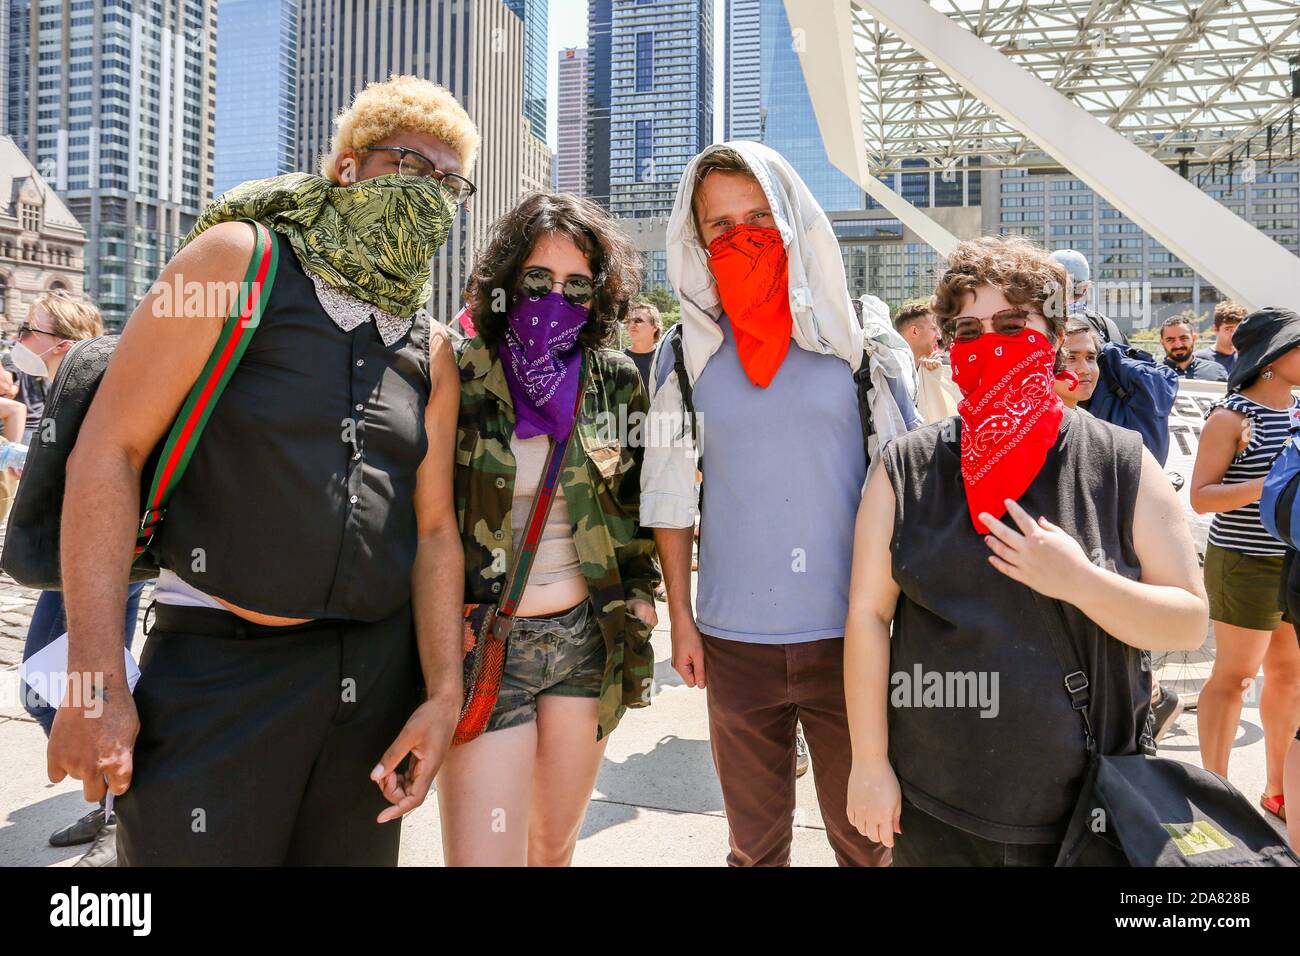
point(1237, 258)
point(825, 47)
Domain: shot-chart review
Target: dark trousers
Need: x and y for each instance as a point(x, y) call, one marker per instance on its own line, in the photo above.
point(926, 840)
point(256, 743)
point(756, 695)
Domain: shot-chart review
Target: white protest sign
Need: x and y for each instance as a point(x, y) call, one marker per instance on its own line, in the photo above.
point(1185, 421)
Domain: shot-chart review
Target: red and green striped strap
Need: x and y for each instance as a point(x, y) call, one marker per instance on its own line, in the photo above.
point(236, 333)
point(537, 516)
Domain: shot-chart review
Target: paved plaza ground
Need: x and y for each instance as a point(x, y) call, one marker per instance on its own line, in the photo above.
point(657, 801)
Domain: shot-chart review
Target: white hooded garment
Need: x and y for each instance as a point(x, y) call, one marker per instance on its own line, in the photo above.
point(824, 322)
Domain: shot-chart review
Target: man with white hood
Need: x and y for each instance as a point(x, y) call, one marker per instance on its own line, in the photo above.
point(765, 357)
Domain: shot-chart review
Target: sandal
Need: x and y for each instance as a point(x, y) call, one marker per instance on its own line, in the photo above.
point(1275, 805)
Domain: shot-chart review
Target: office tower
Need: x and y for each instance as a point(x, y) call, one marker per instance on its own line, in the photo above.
point(537, 168)
point(533, 13)
point(600, 26)
point(475, 48)
point(15, 68)
point(121, 115)
point(6, 77)
point(571, 123)
point(661, 108)
point(257, 90)
point(1059, 211)
point(765, 98)
point(884, 257)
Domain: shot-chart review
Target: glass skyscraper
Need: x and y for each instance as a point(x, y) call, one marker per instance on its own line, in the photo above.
point(600, 26)
point(533, 13)
point(122, 126)
point(661, 106)
point(767, 100)
point(571, 122)
point(257, 90)
point(15, 33)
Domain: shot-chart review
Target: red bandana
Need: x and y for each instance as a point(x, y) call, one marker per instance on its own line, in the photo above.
point(750, 266)
point(1010, 416)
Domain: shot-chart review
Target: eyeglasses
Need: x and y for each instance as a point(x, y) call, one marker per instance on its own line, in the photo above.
point(27, 328)
point(538, 282)
point(1009, 322)
point(413, 163)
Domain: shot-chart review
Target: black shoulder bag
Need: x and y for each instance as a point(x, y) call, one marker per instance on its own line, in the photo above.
point(1136, 810)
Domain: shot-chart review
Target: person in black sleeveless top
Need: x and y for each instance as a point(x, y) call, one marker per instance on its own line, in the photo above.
point(311, 563)
point(966, 750)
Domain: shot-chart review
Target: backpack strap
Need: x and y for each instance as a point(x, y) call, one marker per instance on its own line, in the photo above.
point(245, 314)
point(688, 401)
point(1075, 677)
point(684, 382)
point(862, 378)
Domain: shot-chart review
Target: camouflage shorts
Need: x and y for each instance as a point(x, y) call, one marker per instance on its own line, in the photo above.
point(562, 655)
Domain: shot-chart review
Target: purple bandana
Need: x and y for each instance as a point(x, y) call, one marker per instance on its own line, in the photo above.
point(542, 364)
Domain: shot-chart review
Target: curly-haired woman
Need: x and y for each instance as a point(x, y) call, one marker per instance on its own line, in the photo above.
point(964, 706)
point(547, 295)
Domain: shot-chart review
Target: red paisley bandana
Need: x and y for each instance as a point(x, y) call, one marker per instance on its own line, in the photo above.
point(750, 266)
point(1010, 416)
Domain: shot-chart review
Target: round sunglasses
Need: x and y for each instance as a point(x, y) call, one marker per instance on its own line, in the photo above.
point(578, 290)
point(1009, 322)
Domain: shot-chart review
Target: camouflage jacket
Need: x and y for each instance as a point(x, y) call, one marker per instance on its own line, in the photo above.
point(601, 482)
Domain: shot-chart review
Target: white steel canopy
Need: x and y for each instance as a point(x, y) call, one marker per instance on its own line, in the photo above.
point(1182, 80)
point(1024, 104)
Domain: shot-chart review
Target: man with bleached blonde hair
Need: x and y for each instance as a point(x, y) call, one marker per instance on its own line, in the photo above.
point(303, 673)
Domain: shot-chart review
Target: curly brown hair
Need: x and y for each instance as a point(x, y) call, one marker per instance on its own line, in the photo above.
point(1016, 266)
point(614, 260)
point(1229, 311)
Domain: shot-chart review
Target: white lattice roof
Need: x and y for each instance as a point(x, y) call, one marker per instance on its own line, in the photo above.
point(1180, 79)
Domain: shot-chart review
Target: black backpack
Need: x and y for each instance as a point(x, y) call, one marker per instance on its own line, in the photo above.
point(32, 540)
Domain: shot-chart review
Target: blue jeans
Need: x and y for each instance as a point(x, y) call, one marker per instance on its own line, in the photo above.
point(48, 622)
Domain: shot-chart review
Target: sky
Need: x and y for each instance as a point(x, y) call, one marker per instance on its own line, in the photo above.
point(567, 26)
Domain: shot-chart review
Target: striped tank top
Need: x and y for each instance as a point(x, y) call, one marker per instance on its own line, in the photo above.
point(1240, 529)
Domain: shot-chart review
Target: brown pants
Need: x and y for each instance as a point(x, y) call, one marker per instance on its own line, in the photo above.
point(756, 695)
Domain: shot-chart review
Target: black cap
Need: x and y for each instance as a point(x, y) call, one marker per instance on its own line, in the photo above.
point(1263, 338)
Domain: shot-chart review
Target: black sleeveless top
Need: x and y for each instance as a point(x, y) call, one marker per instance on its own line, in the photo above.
point(299, 498)
point(1012, 776)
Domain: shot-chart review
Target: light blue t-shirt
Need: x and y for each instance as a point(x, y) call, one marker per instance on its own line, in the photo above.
point(783, 474)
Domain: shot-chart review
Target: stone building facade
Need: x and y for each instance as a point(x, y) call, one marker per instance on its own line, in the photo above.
point(42, 246)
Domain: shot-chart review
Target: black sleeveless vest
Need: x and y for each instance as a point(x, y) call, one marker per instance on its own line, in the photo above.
point(299, 498)
point(1013, 776)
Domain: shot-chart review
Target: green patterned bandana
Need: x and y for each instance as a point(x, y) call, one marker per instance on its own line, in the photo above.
point(372, 240)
